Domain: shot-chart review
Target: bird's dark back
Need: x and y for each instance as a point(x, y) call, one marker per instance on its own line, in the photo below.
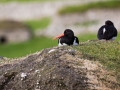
point(110, 31)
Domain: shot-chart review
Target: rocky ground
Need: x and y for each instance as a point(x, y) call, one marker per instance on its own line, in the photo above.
point(58, 68)
point(26, 11)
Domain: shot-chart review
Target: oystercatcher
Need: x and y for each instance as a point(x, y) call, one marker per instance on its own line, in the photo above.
point(107, 31)
point(67, 38)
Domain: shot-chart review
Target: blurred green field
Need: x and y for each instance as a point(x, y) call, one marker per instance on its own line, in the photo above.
point(37, 44)
point(22, 49)
point(34, 45)
point(109, 4)
point(39, 23)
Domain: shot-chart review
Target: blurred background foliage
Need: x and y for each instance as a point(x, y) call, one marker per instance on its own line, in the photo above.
point(108, 4)
point(39, 23)
point(24, 1)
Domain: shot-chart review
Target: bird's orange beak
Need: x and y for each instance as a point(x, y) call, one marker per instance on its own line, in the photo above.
point(58, 36)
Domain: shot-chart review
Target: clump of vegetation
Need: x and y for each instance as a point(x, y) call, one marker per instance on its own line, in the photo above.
point(94, 5)
point(106, 52)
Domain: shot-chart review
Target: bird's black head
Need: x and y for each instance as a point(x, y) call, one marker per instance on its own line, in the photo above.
point(108, 22)
point(68, 32)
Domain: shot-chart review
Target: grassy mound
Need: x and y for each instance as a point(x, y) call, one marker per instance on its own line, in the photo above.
point(58, 68)
point(106, 52)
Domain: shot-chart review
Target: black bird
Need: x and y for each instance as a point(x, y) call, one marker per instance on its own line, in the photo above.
point(107, 31)
point(67, 38)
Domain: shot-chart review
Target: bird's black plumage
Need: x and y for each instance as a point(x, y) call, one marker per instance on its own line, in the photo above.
point(107, 31)
point(68, 38)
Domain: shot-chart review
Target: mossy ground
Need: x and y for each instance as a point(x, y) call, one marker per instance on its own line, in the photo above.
point(106, 52)
point(58, 68)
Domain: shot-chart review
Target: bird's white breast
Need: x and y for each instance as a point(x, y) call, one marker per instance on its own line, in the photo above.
point(104, 30)
point(75, 43)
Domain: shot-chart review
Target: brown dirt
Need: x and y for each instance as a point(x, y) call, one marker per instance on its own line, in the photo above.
point(58, 68)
